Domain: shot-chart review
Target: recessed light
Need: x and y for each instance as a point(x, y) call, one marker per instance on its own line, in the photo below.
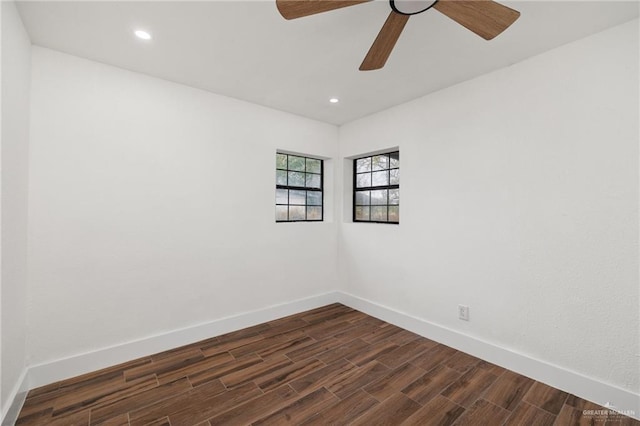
point(334, 100)
point(142, 34)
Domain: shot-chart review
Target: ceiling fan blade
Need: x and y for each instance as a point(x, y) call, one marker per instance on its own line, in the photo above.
point(484, 17)
point(384, 42)
point(292, 9)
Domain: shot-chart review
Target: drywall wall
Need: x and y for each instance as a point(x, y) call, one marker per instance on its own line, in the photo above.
point(2, 410)
point(16, 80)
point(152, 208)
point(519, 198)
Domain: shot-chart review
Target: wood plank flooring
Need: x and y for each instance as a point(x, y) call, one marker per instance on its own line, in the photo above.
point(329, 366)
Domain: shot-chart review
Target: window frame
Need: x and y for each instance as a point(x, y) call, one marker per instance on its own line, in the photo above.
point(356, 189)
point(301, 188)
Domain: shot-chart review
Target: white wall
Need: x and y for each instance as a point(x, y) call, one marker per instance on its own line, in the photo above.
point(16, 59)
point(519, 198)
point(152, 208)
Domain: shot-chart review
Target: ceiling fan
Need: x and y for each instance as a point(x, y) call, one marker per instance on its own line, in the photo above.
point(484, 17)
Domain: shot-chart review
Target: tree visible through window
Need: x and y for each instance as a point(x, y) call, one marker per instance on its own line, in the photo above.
point(298, 188)
point(376, 188)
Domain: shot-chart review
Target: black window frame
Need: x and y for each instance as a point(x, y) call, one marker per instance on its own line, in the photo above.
point(301, 188)
point(357, 189)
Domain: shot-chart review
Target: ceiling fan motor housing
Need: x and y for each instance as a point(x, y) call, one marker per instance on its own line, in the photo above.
point(411, 7)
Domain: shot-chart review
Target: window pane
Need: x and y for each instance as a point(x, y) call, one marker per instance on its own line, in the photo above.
point(363, 165)
point(382, 173)
point(379, 162)
point(313, 181)
point(297, 197)
point(379, 213)
point(281, 177)
point(394, 214)
point(362, 198)
point(296, 163)
point(314, 198)
point(281, 212)
point(379, 197)
point(363, 180)
point(282, 196)
point(395, 177)
point(294, 174)
point(281, 161)
point(313, 166)
point(314, 213)
point(394, 196)
point(296, 212)
point(380, 178)
point(395, 159)
point(296, 179)
point(362, 213)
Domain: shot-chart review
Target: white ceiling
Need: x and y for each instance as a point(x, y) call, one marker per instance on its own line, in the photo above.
point(246, 50)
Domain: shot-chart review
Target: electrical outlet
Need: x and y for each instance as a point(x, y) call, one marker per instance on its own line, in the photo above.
point(463, 312)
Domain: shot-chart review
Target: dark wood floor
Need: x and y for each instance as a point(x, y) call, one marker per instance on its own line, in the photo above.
point(328, 366)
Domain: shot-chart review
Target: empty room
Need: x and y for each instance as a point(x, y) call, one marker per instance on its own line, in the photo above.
point(320, 212)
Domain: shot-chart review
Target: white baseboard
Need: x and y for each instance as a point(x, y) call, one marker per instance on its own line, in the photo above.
point(558, 377)
point(42, 374)
point(561, 378)
point(16, 400)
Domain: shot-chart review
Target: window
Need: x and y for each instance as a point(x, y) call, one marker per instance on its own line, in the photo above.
point(298, 188)
point(376, 188)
